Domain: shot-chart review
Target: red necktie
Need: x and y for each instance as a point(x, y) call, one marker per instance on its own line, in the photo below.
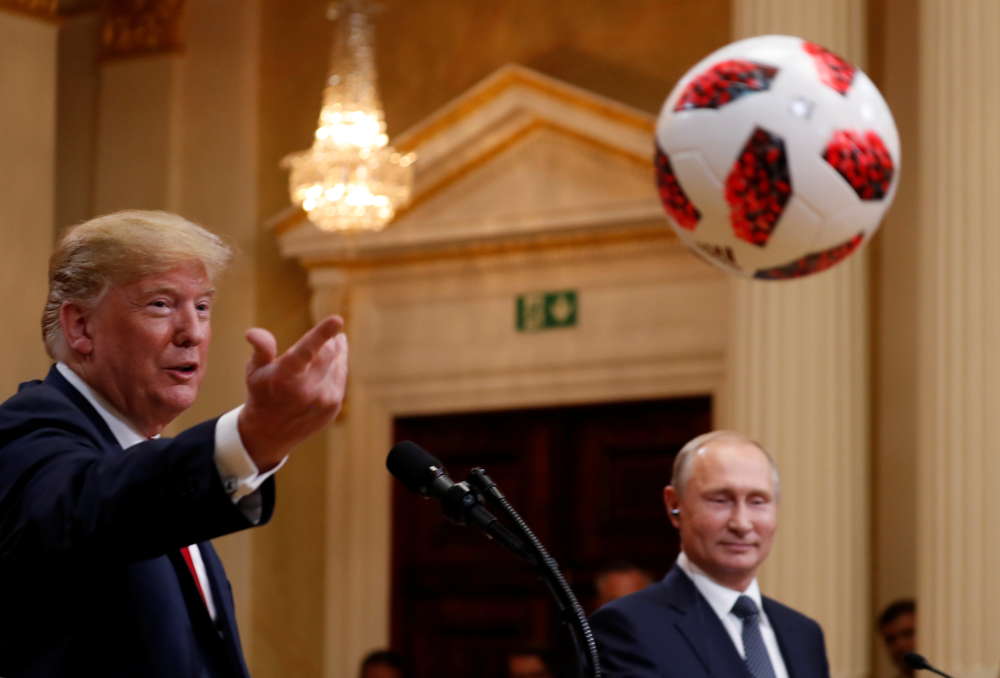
point(194, 573)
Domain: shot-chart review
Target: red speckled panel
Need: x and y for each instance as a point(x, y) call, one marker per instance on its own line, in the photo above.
point(758, 188)
point(812, 263)
point(834, 71)
point(674, 200)
point(863, 161)
point(725, 82)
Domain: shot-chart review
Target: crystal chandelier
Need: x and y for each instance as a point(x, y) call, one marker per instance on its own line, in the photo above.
point(351, 179)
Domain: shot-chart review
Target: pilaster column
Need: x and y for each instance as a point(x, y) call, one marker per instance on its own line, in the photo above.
point(29, 38)
point(798, 371)
point(140, 109)
point(958, 566)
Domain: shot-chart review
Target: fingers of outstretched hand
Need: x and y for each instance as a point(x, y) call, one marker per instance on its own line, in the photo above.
point(313, 342)
point(335, 378)
point(339, 366)
point(265, 347)
point(288, 400)
point(328, 375)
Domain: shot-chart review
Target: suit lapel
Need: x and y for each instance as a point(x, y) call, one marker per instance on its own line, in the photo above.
point(702, 629)
point(225, 611)
point(200, 619)
point(201, 622)
point(221, 643)
point(58, 382)
point(797, 662)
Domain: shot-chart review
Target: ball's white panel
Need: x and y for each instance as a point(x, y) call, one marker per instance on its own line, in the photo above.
point(690, 130)
point(712, 238)
point(874, 113)
point(795, 234)
point(821, 186)
point(703, 189)
point(739, 121)
point(697, 180)
point(864, 217)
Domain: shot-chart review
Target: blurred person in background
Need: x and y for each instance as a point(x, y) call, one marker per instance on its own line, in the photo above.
point(898, 627)
point(383, 664)
point(619, 579)
point(531, 662)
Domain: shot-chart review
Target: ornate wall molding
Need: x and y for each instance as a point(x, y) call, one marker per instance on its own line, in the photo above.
point(138, 27)
point(42, 9)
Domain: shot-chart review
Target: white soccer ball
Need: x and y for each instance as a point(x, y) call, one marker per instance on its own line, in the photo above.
point(776, 158)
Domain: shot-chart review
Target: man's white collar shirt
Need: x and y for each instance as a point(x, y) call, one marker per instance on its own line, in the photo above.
point(721, 599)
point(240, 476)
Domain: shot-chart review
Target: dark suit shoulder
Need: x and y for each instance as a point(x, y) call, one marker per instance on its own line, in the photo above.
point(38, 405)
point(656, 597)
point(34, 396)
point(665, 630)
point(625, 645)
point(40, 421)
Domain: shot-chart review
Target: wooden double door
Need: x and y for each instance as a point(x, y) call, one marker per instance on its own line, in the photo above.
point(588, 480)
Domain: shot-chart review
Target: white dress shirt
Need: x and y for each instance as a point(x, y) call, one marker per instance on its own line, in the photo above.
point(240, 476)
point(722, 599)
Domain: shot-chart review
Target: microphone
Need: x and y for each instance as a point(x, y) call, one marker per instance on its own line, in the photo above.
point(423, 474)
point(918, 662)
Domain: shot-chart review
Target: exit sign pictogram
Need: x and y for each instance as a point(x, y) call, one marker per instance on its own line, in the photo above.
point(538, 311)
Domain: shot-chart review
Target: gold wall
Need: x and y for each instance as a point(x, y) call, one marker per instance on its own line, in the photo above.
point(245, 90)
point(427, 52)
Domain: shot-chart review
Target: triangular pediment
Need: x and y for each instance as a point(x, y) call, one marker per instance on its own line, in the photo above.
point(519, 155)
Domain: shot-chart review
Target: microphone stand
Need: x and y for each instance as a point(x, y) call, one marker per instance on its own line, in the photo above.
point(532, 551)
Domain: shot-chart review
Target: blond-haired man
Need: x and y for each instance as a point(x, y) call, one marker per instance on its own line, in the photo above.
point(105, 562)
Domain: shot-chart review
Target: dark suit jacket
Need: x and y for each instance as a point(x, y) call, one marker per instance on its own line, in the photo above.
point(668, 630)
point(91, 578)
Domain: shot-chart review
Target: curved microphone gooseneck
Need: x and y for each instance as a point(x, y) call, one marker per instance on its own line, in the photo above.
point(462, 503)
point(573, 615)
point(920, 663)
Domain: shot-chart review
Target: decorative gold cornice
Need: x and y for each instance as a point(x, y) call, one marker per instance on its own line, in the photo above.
point(535, 125)
point(520, 134)
point(525, 78)
point(648, 232)
point(47, 10)
point(139, 27)
point(289, 222)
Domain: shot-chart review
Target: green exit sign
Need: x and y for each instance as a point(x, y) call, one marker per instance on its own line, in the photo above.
point(546, 310)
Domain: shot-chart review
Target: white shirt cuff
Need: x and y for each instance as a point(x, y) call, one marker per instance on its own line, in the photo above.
point(239, 474)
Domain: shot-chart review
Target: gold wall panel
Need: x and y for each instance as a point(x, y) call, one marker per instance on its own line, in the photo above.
point(428, 52)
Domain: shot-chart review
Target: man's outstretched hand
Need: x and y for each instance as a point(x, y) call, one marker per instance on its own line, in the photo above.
point(292, 396)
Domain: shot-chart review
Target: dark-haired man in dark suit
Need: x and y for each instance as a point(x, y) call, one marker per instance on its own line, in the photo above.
point(707, 618)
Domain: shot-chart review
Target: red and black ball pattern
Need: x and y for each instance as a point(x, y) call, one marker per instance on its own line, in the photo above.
point(758, 188)
point(674, 200)
point(812, 263)
point(863, 161)
point(834, 71)
point(725, 82)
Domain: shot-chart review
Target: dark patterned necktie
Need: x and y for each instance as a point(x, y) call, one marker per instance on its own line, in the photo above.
point(753, 643)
